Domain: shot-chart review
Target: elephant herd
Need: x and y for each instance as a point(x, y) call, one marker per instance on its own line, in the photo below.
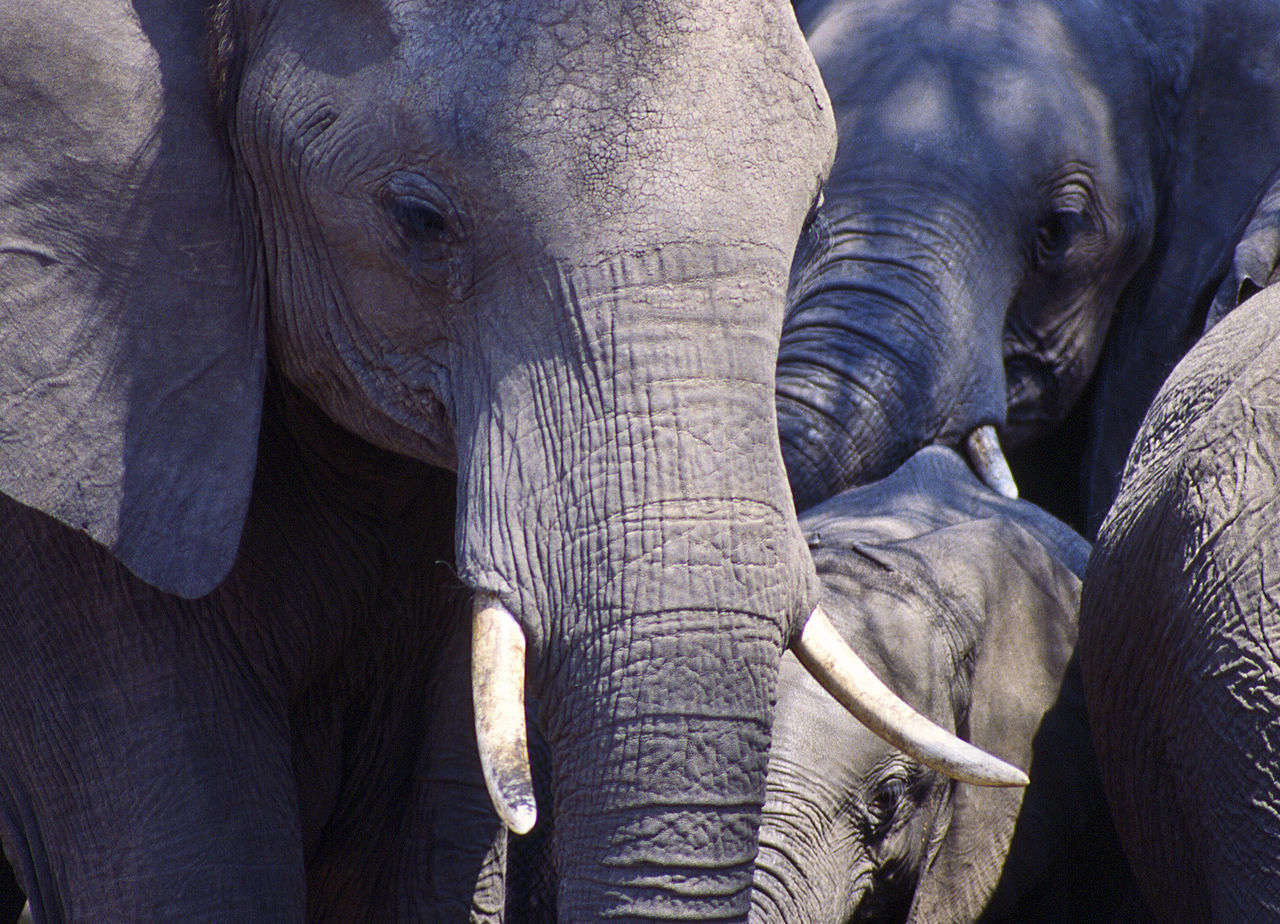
point(405, 409)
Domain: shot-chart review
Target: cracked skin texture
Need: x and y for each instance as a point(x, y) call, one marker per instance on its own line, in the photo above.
point(1179, 631)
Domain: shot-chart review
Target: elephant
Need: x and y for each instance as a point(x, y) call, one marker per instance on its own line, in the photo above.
point(965, 602)
point(1178, 618)
point(362, 365)
point(1031, 206)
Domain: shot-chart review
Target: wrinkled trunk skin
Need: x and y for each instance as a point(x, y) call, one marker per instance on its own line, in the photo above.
point(780, 890)
point(886, 348)
point(644, 537)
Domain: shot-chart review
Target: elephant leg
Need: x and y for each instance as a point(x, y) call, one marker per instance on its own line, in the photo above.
point(145, 771)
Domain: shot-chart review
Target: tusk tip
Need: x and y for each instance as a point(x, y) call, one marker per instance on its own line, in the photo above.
point(835, 666)
point(1007, 776)
point(497, 692)
point(519, 816)
point(988, 461)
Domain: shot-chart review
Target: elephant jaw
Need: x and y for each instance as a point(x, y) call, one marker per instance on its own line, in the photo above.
point(498, 652)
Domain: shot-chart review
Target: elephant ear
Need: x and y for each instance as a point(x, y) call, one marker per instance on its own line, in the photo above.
point(131, 356)
point(1024, 604)
point(1256, 261)
point(1220, 71)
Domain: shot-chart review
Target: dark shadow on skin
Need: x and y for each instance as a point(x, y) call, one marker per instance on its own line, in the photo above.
point(1049, 469)
point(968, 111)
point(1187, 111)
point(1064, 839)
point(12, 898)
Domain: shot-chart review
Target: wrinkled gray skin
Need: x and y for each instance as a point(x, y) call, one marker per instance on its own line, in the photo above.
point(1009, 177)
point(1179, 619)
point(965, 603)
point(542, 245)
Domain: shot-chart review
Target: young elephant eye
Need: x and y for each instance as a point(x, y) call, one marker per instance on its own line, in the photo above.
point(882, 807)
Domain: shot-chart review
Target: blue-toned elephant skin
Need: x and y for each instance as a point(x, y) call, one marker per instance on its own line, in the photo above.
point(1027, 196)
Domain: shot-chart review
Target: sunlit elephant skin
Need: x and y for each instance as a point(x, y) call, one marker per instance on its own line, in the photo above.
point(965, 602)
point(283, 285)
point(1010, 178)
point(1179, 619)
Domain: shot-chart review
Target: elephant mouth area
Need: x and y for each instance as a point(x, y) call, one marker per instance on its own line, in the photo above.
point(1035, 398)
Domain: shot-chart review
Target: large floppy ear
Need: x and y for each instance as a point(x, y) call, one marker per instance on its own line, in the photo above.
point(1221, 75)
point(131, 353)
point(1021, 635)
point(1255, 263)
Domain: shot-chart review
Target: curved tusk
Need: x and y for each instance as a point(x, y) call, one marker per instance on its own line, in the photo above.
point(846, 677)
point(497, 690)
point(988, 461)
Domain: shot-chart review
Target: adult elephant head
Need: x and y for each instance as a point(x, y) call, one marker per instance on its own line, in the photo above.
point(966, 602)
point(545, 245)
point(1009, 177)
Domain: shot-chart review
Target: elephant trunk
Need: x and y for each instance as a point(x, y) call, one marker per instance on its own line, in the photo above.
point(887, 347)
point(642, 537)
point(783, 889)
point(811, 865)
point(659, 770)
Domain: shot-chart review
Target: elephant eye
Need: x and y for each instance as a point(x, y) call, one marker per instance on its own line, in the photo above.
point(1053, 237)
point(419, 220)
point(882, 806)
point(420, 209)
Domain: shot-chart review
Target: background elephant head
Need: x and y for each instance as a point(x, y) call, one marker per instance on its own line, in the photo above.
point(1179, 617)
point(965, 603)
point(1009, 177)
point(545, 245)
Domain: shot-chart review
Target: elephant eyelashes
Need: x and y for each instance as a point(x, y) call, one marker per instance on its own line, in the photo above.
point(419, 221)
point(883, 804)
point(420, 210)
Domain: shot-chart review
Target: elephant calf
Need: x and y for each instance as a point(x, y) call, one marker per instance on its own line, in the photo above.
point(965, 603)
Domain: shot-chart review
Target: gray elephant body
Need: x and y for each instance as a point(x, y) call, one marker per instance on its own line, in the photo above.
point(1178, 628)
point(965, 603)
point(1010, 177)
point(325, 755)
point(542, 245)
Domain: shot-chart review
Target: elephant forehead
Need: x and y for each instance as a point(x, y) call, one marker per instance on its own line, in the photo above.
point(601, 113)
point(978, 77)
point(600, 128)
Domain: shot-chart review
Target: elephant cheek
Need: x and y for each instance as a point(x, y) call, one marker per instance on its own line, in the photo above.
point(796, 882)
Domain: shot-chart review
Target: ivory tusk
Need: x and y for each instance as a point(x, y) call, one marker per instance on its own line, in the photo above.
point(846, 677)
point(988, 461)
point(497, 690)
